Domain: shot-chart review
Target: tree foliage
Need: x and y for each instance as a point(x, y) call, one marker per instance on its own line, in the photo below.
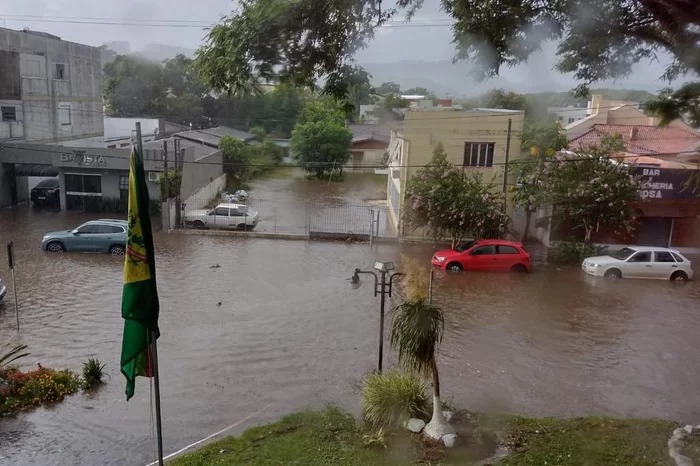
point(304, 41)
point(449, 202)
point(243, 162)
point(321, 147)
point(133, 86)
point(590, 189)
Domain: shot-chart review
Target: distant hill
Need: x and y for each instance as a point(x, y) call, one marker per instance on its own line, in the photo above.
point(160, 52)
point(445, 78)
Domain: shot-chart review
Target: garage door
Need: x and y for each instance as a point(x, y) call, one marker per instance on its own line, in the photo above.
point(80, 187)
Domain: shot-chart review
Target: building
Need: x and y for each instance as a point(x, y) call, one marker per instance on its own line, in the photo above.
point(668, 211)
point(50, 90)
point(612, 112)
point(477, 140)
point(368, 147)
point(569, 114)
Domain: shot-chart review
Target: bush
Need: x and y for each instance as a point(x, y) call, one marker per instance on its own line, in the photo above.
point(392, 398)
point(22, 390)
point(573, 253)
point(93, 372)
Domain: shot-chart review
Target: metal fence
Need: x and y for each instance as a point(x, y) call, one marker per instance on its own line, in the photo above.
point(323, 218)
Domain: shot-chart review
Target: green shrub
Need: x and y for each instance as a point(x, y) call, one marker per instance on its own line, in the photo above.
point(93, 372)
point(22, 390)
point(573, 253)
point(12, 355)
point(390, 399)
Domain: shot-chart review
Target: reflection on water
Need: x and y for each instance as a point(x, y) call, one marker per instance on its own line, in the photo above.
point(292, 333)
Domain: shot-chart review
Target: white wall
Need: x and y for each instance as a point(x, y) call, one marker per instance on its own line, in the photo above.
point(122, 127)
point(200, 198)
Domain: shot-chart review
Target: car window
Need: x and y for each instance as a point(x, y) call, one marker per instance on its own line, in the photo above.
point(644, 256)
point(677, 257)
point(464, 246)
point(622, 254)
point(86, 229)
point(238, 213)
point(47, 184)
point(483, 251)
point(223, 211)
point(663, 256)
point(117, 229)
point(102, 229)
point(507, 250)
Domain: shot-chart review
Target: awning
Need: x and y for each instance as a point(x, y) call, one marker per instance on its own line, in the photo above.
point(27, 169)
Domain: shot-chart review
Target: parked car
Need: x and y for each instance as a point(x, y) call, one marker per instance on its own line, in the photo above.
point(3, 289)
point(46, 193)
point(489, 255)
point(225, 215)
point(104, 235)
point(640, 262)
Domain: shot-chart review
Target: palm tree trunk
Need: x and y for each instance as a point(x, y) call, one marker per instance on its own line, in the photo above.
point(438, 426)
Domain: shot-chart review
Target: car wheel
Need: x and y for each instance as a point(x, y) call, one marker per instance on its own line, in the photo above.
point(55, 247)
point(198, 224)
point(613, 273)
point(117, 250)
point(518, 268)
point(454, 266)
point(241, 227)
point(679, 277)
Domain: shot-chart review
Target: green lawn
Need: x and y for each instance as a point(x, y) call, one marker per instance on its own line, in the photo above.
point(332, 437)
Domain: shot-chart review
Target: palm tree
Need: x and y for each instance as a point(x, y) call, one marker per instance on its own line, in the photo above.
point(416, 332)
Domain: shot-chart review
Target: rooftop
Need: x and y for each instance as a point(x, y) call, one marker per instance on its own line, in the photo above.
point(362, 133)
point(212, 136)
point(643, 140)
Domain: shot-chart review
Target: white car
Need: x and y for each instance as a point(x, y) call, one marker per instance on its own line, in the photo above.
point(225, 216)
point(640, 262)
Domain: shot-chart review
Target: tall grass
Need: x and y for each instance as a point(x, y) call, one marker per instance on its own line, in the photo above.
point(13, 355)
point(415, 284)
point(93, 373)
point(392, 398)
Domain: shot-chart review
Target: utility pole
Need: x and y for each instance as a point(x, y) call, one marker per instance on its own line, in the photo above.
point(505, 167)
point(166, 185)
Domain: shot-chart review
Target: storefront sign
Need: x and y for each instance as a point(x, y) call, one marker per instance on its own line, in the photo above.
point(666, 183)
point(82, 159)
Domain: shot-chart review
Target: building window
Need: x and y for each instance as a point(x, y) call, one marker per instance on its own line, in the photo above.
point(33, 69)
point(571, 120)
point(478, 154)
point(9, 113)
point(64, 114)
point(124, 187)
point(60, 71)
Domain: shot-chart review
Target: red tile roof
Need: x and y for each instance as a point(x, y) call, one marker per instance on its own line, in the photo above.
point(643, 140)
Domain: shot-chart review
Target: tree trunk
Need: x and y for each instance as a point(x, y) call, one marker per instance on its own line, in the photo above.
point(528, 219)
point(438, 425)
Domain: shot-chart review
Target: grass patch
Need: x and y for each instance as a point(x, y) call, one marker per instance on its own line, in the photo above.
point(281, 172)
point(20, 391)
point(332, 437)
point(588, 441)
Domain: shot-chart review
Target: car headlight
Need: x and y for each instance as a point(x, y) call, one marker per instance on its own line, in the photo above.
point(439, 258)
point(594, 265)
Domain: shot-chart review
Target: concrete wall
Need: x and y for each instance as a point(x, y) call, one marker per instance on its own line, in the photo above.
point(56, 107)
point(122, 127)
point(201, 197)
point(199, 172)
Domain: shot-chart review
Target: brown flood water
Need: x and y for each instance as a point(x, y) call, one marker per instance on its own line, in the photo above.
point(291, 333)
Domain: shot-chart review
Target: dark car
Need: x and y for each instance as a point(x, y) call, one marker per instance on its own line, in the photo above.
point(46, 193)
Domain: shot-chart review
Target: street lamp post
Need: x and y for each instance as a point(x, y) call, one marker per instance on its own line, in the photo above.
point(382, 288)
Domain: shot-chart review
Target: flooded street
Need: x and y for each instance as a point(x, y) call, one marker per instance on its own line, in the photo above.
point(292, 333)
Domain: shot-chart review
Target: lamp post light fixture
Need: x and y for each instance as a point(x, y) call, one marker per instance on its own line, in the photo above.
point(382, 287)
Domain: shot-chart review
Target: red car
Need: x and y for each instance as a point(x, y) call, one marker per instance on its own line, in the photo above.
point(488, 255)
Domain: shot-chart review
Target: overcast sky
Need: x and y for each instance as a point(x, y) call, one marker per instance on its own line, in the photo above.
point(419, 41)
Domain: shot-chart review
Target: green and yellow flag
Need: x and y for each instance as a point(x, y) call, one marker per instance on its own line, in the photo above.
point(139, 297)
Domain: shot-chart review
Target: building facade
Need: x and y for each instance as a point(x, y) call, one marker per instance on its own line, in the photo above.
point(477, 140)
point(368, 147)
point(50, 89)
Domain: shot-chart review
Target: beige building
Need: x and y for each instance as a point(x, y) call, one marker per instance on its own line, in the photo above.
point(614, 112)
point(476, 140)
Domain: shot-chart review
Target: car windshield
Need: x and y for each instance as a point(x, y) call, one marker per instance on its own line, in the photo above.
point(464, 246)
point(622, 254)
point(48, 184)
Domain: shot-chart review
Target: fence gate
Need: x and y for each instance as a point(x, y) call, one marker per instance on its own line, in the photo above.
point(341, 221)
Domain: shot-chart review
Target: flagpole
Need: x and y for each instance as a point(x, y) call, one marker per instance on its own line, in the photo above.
point(153, 346)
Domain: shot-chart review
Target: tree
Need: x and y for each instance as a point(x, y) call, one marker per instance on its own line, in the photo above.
point(388, 88)
point(133, 87)
point(598, 39)
point(590, 189)
point(417, 330)
point(322, 109)
point(360, 92)
point(236, 158)
point(385, 108)
point(542, 139)
point(321, 146)
point(449, 202)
